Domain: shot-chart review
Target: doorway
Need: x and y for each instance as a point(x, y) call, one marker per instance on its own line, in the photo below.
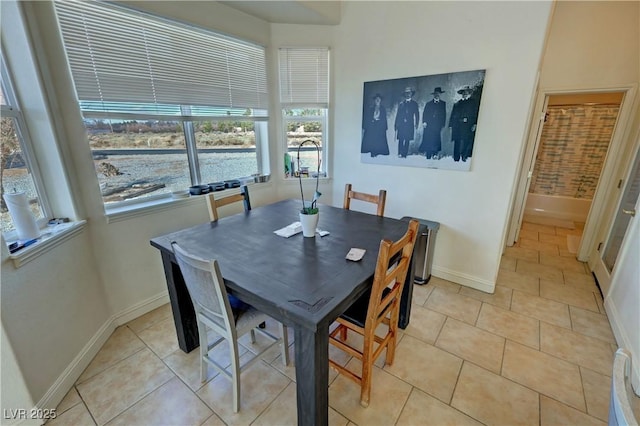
point(595, 207)
point(575, 137)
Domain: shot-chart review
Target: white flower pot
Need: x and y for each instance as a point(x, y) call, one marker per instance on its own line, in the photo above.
point(309, 223)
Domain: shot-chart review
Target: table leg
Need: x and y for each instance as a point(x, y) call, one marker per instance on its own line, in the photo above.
point(312, 376)
point(184, 316)
point(406, 298)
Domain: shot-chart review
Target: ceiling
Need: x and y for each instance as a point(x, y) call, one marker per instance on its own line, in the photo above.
point(291, 11)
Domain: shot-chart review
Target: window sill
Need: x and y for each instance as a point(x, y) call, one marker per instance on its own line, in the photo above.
point(51, 237)
point(143, 208)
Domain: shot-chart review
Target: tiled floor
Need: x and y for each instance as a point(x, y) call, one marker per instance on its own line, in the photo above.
point(539, 351)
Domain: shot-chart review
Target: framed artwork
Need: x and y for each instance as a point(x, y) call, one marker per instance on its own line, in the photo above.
point(429, 121)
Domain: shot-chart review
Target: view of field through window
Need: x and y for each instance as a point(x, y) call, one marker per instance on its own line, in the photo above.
point(135, 158)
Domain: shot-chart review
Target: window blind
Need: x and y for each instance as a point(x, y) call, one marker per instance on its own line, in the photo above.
point(304, 77)
point(119, 55)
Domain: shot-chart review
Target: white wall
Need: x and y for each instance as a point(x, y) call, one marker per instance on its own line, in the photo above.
point(386, 40)
point(592, 44)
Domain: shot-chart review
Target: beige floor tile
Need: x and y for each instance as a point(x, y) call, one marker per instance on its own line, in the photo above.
point(454, 305)
point(114, 390)
point(580, 280)
point(540, 227)
point(574, 347)
point(187, 366)
point(541, 308)
point(550, 221)
point(564, 263)
point(78, 415)
point(560, 240)
point(528, 235)
point(259, 386)
point(214, 421)
point(508, 263)
point(572, 296)
point(289, 370)
point(591, 324)
point(161, 337)
point(71, 399)
point(544, 373)
point(121, 344)
point(472, 344)
point(549, 248)
point(517, 281)
point(512, 325)
point(421, 293)
point(388, 395)
point(597, 391)
point(425, 324)
point(545, 272)
point(492, 399)
point(421, 407)
point(147, 320)
point(171, 404)
point(282, 411)
point(426, 367)
point(500, 297)
point(444, 284)
point(520, 252)
point(554, 413)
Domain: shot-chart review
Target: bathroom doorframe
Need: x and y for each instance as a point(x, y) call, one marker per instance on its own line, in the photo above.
point(608, 177)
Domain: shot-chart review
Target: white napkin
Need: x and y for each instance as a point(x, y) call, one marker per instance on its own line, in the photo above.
point(288, 231)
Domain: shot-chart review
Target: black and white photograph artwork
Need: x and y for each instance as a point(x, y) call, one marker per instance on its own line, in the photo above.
point(428, 121)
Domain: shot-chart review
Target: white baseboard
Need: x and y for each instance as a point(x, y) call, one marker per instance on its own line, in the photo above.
point(65, 381)
point(464, 279)
point(141, 308)
point(622, 339)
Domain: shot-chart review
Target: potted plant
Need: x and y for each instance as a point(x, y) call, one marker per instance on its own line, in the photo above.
point(309, 214)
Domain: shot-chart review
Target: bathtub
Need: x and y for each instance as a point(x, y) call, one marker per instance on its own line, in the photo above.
point(557, 207)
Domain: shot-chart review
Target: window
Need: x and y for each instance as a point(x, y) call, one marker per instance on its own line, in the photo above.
point(16, 171)
point(304, 99)
point(165, 105)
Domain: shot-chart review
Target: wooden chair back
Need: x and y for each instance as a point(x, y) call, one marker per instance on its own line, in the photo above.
point(213, 204)
point(380, 199)
point(379, 306)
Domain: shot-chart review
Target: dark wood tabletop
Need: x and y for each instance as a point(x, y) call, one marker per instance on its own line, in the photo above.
point(305, 283)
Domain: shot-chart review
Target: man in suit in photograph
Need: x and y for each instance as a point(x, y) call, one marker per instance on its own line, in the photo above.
point(407, 119)
point(463, 120)
point(433, 121)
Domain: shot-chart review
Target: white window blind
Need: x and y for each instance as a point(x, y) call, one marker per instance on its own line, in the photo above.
point(304, 77)
point(118, 56)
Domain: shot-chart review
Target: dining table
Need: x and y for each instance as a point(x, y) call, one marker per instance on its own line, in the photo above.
point(303, 282)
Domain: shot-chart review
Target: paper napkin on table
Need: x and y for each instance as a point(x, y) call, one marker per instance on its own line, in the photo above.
point(288, 231)
point(355, 254)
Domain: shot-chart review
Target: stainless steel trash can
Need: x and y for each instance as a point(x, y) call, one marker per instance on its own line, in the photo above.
point(423, 250)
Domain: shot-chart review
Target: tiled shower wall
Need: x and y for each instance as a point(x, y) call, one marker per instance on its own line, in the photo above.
point(572, 150)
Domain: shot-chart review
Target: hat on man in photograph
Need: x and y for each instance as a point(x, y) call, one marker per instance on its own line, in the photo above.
point(465, 89)
point(437, 90)
point(377, 95)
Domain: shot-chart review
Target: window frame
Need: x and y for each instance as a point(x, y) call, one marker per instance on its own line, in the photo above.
point(12, 109)
point(304, 98)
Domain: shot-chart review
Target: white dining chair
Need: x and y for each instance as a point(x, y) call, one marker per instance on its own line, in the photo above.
point(213, 312)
